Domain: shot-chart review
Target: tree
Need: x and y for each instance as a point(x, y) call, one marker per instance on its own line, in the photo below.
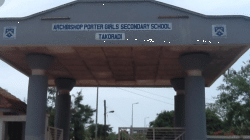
point(81, 115)
point(213, 122)
point(112, 136)
point(51, 101)
point(234, 97)
point(100, 130)
point(218, 109)
point(164, 119)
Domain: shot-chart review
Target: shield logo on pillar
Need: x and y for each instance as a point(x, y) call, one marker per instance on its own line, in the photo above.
point(9, 32)
point(219, 31)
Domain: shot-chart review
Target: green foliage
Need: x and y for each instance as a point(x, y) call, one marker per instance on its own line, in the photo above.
point(213, 121)
point(112, 136)
point(51, 100)
point(100, 130)
point(81, 115)
point(164, 119)
point(234, 98)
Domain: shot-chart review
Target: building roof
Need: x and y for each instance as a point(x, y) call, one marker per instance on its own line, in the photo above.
point(152, 37)
point(119, 1)
point(11, 104)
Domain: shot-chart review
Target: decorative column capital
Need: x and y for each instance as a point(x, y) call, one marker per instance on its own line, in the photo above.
point(178, 85)
point(65, 85)
point(39, 61)
point(194, 60)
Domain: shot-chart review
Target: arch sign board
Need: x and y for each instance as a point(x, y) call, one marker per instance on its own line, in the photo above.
point(123, 43)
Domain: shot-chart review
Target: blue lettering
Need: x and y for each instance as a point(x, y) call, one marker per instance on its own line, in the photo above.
point(160, 26)
point(126, 26)
point(81, 26)
point(118, 36)
point(61, 26)
point(104, 36)
point(109, 26)
point(55, 27)
point(112, 26)
point(110, 36)
point(85, 26)
point(77, 27)
point(99, 26)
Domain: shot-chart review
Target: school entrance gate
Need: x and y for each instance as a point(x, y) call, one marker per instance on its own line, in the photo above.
point(114, 43)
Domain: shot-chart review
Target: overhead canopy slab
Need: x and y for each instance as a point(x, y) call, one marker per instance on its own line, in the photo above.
point(134, 43)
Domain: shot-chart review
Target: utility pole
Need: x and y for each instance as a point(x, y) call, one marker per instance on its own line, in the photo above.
point(104, 119)
point(96, 115)
point(105, 114)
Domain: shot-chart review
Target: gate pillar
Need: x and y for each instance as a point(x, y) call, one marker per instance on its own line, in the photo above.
point(195, 116)
point(63, 100)
point(37, 96)
point(179, 101)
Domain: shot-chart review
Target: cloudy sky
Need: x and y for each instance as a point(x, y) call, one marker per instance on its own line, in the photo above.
point(120, 100)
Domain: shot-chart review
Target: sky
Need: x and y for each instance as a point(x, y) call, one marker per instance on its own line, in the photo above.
point(121, 99)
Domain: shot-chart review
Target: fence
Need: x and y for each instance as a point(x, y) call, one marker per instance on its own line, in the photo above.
point(154, 133)
point(54, 133)
point(228, 137)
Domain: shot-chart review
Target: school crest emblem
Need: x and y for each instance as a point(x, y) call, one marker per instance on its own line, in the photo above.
point(219, 31)
point(9, 32)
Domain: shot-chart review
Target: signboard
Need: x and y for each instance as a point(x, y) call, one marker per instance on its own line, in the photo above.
point(110, 36)
point(110, 26)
